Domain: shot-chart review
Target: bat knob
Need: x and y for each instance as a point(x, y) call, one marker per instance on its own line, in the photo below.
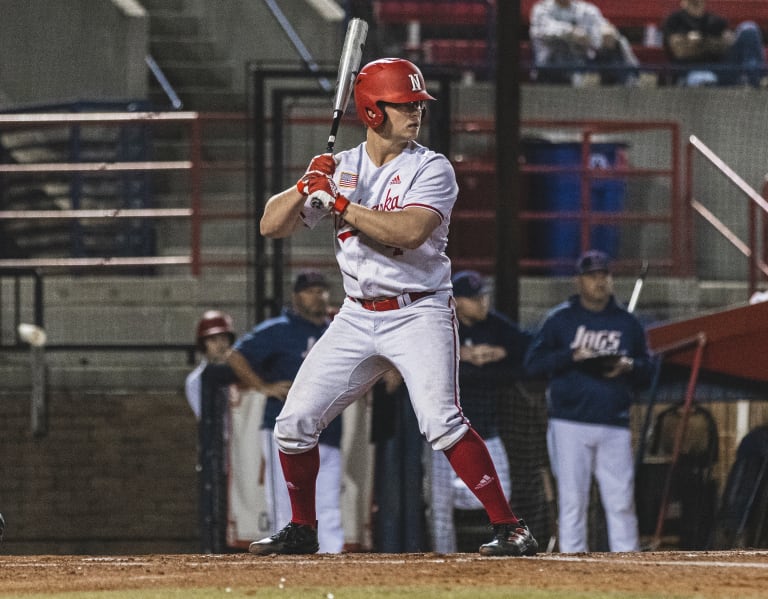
point(32, 334)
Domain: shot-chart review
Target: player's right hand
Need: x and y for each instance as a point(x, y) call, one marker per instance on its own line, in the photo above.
point(303, 185)
point(323, 193)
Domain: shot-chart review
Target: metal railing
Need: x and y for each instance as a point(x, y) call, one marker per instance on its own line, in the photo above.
point(579, 210)
point(163, 82)
point(755, 248)
point(194, 165)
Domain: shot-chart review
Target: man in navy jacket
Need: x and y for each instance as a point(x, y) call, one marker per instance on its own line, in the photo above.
point(594, 355)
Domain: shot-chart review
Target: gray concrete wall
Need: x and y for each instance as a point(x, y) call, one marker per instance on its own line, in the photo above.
point(249, 31)
point(57, 51)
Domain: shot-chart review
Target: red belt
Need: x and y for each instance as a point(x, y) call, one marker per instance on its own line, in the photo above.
point(391, 303)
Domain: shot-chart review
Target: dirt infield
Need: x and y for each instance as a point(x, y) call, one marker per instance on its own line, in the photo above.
point(705, 574)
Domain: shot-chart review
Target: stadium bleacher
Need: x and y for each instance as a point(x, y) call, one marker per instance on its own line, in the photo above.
point(638, 14)
point(633, 18)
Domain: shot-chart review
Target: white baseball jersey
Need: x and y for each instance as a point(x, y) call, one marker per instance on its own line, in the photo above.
point(417, 177)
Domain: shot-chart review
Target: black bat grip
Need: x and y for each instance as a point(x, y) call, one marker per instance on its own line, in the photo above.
point(337, 114)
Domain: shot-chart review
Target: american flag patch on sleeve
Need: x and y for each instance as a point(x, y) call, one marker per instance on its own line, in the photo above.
point(348, 180)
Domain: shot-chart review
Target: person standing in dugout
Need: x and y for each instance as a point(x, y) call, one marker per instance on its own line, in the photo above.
point(594, 354)
point(391, 200)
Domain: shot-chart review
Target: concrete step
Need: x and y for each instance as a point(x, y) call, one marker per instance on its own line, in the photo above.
point(173, 236)
point(164, 22)
point(153, 6)
point(214, 74)
point(217, 258)
point(232, 234)
point(114, 310)
point(215, 201)
point(213, 181)
point(167, 48)
point(221, 149)
point(204, 99)
point(88, 368)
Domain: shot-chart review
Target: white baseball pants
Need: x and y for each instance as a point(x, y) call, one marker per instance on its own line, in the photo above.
point(420, 340)
point(577, 451)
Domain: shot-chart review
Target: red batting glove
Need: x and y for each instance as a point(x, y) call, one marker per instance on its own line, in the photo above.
point(322, 164)
point(323, 193)
point(303, 184)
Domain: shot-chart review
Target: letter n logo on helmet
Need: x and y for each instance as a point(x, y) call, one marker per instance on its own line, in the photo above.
point(393, 80)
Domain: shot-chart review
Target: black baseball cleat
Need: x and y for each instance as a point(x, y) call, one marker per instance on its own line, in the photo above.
point(2, 527)
point(294, 539)
point(510, 539)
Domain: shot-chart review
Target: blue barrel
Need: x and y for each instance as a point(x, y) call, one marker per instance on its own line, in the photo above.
point(561, 192)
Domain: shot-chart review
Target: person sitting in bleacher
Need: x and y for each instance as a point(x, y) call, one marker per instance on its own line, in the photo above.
point(713, 53)
point(571, 37)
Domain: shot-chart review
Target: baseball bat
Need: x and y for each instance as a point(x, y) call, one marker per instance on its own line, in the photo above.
point(638, 287)
point(349, 65)
point(36, 337)
point(549, 496)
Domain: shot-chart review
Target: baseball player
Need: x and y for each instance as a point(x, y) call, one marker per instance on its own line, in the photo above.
point(594, 353)
point(391, 200)
point(215, 335)
point(210, 400)
point(267, 359)
point(491, 356)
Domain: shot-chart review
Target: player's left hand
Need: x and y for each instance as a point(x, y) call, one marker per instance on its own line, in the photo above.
point(324, 163)
point(320, 166)
point(323, 193)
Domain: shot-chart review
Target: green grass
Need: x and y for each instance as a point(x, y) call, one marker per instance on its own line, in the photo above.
point(346, 593)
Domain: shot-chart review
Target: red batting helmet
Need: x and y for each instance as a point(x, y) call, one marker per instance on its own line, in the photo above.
point(214, 322)
point(394, 80)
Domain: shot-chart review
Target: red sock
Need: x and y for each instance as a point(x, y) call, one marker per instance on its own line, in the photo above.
point(472, 463)
point(300, 471)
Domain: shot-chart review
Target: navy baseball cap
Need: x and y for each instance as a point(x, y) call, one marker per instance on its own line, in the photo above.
point(469, 283)
point(593, 261)
point(309, 278)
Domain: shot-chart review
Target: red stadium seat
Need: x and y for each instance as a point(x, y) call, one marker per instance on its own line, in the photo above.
point(435, 12)
point(455, 52)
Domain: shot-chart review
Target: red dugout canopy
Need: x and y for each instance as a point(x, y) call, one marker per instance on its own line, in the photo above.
point(736, 341)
